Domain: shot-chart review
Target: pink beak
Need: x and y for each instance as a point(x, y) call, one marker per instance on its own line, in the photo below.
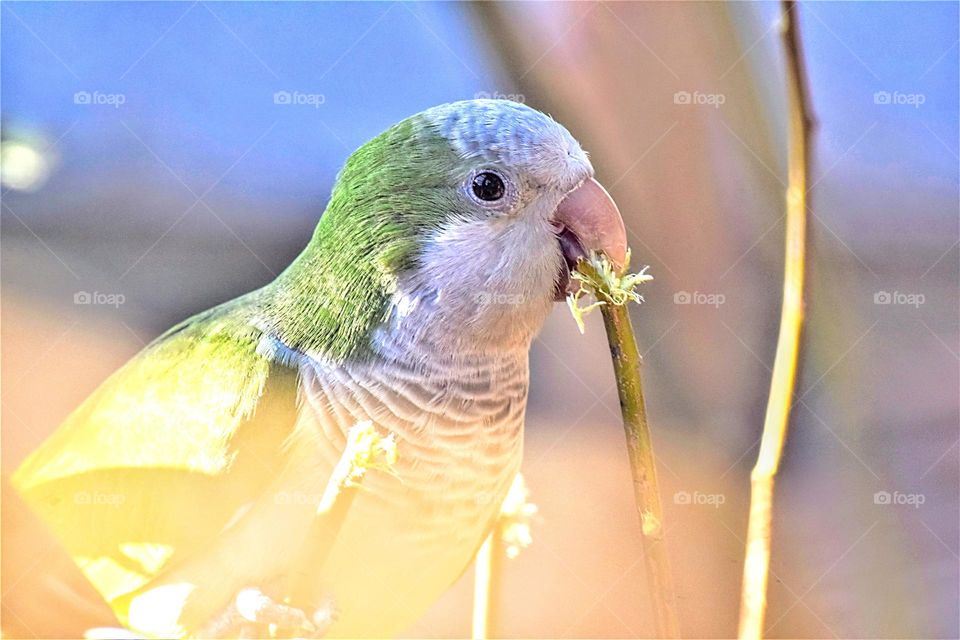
point(590, 214)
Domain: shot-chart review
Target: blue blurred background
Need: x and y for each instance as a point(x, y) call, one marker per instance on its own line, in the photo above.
point(179, 154)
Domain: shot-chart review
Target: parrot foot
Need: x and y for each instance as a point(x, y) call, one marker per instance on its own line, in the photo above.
point(253, 614)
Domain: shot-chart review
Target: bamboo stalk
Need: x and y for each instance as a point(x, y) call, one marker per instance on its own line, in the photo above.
point(646, 492)
point(756, 568)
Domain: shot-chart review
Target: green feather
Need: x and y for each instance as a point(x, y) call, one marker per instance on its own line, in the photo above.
point(390, 194)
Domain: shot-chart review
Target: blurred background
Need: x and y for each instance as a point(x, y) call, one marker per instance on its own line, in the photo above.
point(160, 158)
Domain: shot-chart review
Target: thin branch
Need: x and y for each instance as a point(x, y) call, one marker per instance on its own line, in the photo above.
point(486, 586)
point(646, 492)
point(612, 289)
point(365, 450)
point(756, 567)
point(510, 535)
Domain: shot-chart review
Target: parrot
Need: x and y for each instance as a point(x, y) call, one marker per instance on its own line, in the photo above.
point(184, 487)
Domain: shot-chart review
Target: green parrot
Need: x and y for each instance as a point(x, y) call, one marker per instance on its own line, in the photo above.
point(185, 486)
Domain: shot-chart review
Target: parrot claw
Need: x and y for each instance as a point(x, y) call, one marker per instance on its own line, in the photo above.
point(253, 614)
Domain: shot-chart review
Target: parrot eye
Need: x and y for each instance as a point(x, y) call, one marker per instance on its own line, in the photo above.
point(488, 186)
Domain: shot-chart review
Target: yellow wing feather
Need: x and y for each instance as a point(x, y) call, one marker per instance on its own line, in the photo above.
point(188, 431)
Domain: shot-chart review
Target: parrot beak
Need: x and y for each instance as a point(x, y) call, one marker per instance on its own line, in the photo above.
point(588, 220)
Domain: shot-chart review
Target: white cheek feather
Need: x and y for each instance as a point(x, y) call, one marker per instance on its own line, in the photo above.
point(486, 280)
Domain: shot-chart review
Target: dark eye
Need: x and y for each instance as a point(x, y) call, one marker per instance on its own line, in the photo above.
point(488, 186)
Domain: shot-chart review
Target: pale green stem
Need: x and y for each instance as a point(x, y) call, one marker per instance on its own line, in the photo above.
point(646, 492)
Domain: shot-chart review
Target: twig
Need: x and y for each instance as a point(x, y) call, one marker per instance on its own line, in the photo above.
point(486, 583)
point(510, 535)
point(612, 291)
point(753, 599)
point(365, 450)
point(646, 492)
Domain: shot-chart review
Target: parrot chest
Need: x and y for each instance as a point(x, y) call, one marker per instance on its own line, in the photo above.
point(459, 433)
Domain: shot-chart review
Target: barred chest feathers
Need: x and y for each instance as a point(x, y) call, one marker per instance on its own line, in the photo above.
point(458, 419)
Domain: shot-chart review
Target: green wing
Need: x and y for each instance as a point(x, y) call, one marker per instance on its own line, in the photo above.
point(152, 466)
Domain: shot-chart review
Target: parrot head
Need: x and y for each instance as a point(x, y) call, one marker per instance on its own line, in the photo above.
point(458, 225)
